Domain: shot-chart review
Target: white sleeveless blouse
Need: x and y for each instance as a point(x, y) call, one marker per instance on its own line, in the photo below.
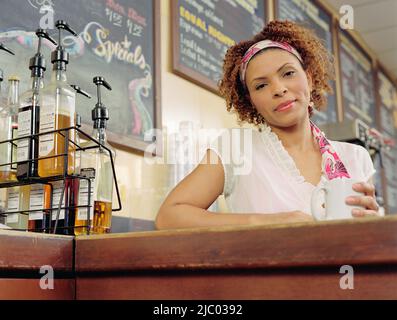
point(261, 176)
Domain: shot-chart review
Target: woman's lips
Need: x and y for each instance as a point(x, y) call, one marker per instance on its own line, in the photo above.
point(287, 106)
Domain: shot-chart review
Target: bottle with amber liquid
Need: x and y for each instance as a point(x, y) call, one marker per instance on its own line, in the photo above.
point(57, 112)
point(59, 198)
point(96, 165)
point(75, 184)
point(29, 116)
point(40, 198)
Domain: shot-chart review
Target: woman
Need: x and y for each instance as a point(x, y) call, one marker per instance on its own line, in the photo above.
point(273, 82)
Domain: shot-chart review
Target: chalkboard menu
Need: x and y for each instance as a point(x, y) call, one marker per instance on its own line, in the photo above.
point(204, 29)
point(390, 165)
point(388, 103)
point(311, 15)
point(358, 91)
point(117, 39)
point(392, 200)
point(387, 94)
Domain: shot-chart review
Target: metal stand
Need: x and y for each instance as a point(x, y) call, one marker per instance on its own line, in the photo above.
point(67, 182)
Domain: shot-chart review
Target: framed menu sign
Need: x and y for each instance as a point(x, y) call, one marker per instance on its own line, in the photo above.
point(358, 90)
point(390, 165)
point(117, 39)
point(203, 30)
point(392, 200)
point(387, 103)
point(313, 16)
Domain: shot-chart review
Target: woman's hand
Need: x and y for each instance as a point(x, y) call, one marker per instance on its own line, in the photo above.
point(367, 201)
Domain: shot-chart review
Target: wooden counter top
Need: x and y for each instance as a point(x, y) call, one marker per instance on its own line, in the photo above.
point(24, 251)
point(22, 254)
point(294, 261)
point(368, 241)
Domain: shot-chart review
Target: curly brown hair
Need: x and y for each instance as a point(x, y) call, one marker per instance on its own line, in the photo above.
point(317, 61)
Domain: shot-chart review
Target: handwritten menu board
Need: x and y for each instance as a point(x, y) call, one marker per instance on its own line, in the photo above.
point(203, 30)
point(390, 165)
point(116, 40)
point(387, 104)
point(358, 93)
point(392, 200)
point(312, 16)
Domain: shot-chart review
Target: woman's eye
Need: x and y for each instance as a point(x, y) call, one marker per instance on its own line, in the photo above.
point(260, 86)
point(289, 73)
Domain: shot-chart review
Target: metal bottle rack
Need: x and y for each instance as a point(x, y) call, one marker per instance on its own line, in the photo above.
point(48, 212)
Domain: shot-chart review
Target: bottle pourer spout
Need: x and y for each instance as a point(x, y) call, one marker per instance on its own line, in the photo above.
point(4, 48)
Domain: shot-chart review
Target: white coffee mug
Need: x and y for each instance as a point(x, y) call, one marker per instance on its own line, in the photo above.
point(333, 195)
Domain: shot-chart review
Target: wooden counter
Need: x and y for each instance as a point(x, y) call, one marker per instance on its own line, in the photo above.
point(22, 254)
point(294, 261)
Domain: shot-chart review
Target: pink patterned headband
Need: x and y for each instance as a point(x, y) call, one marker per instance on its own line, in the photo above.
point(261, 45)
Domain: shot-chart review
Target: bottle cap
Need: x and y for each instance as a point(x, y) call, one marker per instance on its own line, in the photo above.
point(37, 63)
point(59, 57)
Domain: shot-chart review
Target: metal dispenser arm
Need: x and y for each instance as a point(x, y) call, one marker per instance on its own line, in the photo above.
point(41, 33)
point(4, 48)
point(101, 81)
point(100, 112)
point(80, 91)
point(60, 24)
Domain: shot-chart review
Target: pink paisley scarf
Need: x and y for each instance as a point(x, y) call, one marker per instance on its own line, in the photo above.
point(332, 165)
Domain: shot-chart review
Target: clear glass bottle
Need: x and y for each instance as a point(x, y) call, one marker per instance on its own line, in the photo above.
point(18, 199)
point(40, 198)
point(28, 124)
point(8, 131)
point(96, 164)
point(29, 115)
point(57, 188)
point(58, 111)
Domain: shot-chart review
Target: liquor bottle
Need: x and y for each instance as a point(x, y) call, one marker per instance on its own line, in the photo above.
point(2, 101)
point(40, 198)
point(73, 184)
point(96, 165)
point(59, 198)
point(18, 200)
point(57, 112)
point(12, 201)
point(77, 152)
point(8, 131)
point(29, 116)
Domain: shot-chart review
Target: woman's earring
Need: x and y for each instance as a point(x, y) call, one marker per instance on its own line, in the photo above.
point(311, 107)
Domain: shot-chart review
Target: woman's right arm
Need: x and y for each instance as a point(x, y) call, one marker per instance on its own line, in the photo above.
point(186, 205)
